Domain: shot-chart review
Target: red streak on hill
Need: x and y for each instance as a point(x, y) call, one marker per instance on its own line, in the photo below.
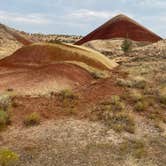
point(121, 26)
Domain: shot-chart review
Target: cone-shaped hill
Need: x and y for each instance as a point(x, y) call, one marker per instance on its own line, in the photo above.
point(121, 26)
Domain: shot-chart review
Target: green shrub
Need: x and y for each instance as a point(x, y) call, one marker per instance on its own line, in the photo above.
point(8, 157)
point(126, 46)
point(32, 119)
point(4, 119)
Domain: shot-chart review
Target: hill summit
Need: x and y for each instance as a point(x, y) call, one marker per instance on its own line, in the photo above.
point(121, 26)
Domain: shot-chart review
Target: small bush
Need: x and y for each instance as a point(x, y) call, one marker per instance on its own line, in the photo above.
point(158, 126)
point(116, 103)
point(5, 102)
point(140, 106)
point(126, 46)
point(32, 119)
point(8, 157)
point(113, 105)
point(67, 94)
point(139, 82)
point(162, 95)
point(68, 101)
point(136, 96)
point(97, 74)
point(121, 122)
point(136, 148)
point(163, 100)
point(4, 119)
point(113, 115)
point(133, 83)
point(115, 99)
point(157, 116)
point(124, 83)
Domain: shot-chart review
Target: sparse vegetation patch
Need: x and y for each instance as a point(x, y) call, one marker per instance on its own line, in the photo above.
point(135, 148)
point(32, 119)
point(114, 115)
point(8, 157)
point(4, 119)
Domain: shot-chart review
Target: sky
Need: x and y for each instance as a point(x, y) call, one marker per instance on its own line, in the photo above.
point(79, 17)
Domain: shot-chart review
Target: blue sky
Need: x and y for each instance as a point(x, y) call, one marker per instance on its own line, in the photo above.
point(79, 16)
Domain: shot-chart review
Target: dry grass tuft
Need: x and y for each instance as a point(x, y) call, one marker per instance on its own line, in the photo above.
point(8, 157)
point(32, 119)
point(4, 119)
point(135, 148)
point(114, 115)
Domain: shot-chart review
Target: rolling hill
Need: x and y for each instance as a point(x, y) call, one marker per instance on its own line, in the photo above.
point(41, 68)
point(43, 54)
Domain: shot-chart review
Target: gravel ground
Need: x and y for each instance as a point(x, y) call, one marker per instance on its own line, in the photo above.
point(71, 142)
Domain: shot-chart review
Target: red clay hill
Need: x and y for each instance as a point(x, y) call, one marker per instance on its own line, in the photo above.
point(41, 68)
point(121, 26)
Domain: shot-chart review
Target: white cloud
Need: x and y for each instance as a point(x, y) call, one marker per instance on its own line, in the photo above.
point(94, 14)
point(84, 13)
point(33, 18)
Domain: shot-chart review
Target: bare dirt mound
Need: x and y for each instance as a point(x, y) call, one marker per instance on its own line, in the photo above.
point(121, 26)
point(43, 68)
point(44, 79)
point(43, 54)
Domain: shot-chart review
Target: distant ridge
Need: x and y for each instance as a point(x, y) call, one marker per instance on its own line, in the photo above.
point(14, 34)
point(121, 26)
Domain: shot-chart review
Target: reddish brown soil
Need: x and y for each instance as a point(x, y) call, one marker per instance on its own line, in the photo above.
point(121, 27)
point(44, 54)
point(55, 107)
point(22, 39)
point(42, 79)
